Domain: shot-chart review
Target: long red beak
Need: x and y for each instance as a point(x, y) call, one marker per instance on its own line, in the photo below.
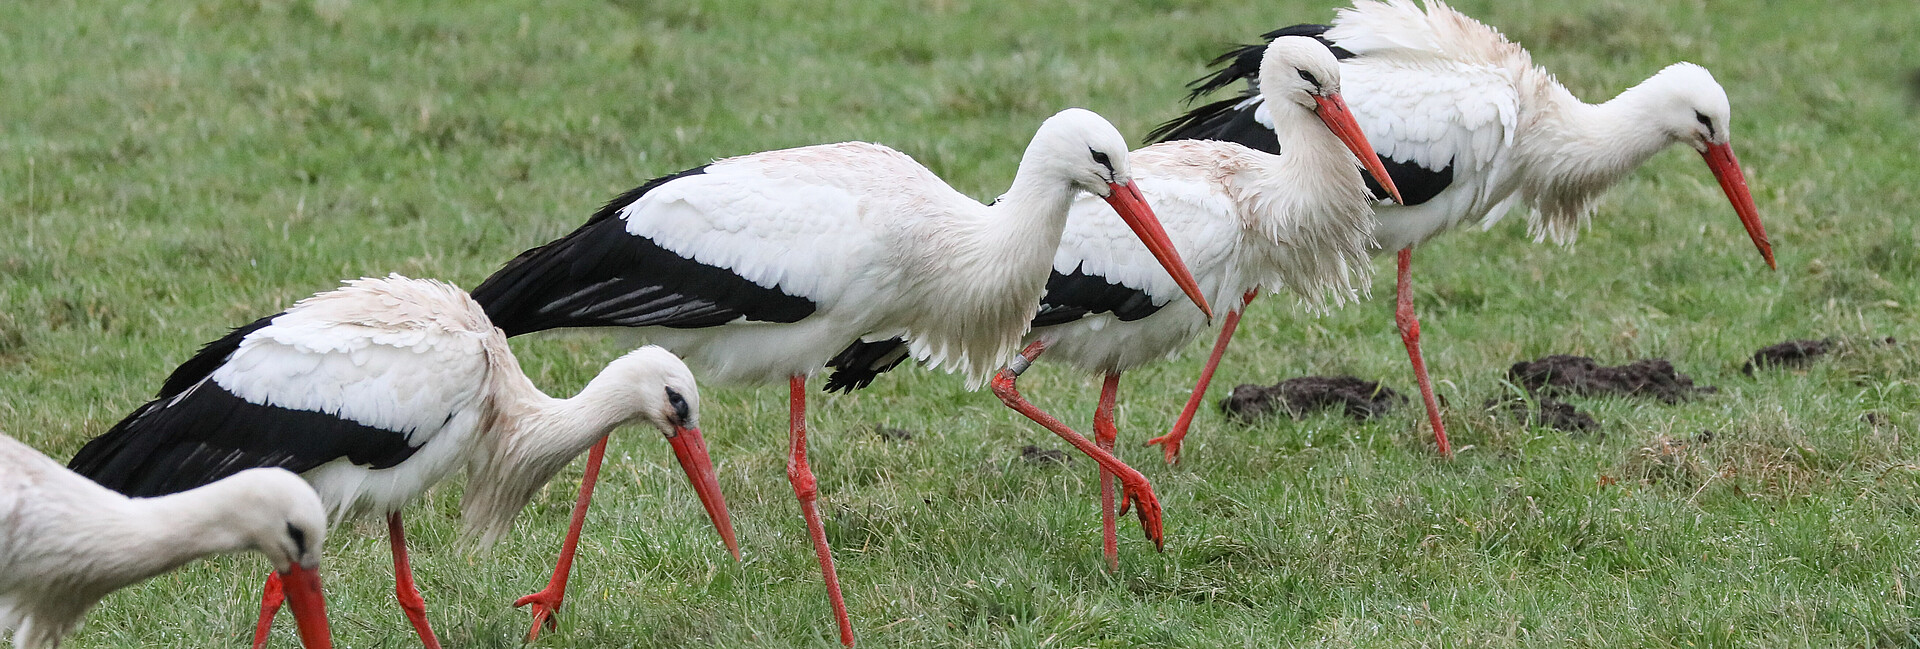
point(1132, 207)
point(691, 449)
point(1726, 169)
point(302, 589)
point(1333, 110)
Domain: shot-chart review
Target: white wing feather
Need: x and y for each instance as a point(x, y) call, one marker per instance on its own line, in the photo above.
point(1433, 113)
point(408, 368)
point(776, 219)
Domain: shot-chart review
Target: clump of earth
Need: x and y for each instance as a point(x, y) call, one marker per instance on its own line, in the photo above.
point(1549, 413)
point(1567, 375)
point(1047, 456)
point(1357, 398)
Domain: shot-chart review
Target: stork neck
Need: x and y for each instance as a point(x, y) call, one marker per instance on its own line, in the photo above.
point(1569, 152)
point(559, 430)
point(1608, 139)
point(600, 407)
point(1310, 151)
point(172, 530)
point(1310, 225)
point(1035, 208)
point(532, 438)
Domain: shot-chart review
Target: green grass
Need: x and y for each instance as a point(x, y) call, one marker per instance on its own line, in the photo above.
point(172, 169)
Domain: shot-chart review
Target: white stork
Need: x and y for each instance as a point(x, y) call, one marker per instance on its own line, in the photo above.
point(374, 392)
point(1468, 126)
point(1245, 219)
point(759, 268)
point(66, 542)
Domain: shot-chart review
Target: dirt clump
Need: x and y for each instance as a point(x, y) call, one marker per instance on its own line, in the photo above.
point(1047, 456)
point(1549, 413)
point(1567, 375)
point(1792, 353)
point(1357, 398)
point(1798, 353)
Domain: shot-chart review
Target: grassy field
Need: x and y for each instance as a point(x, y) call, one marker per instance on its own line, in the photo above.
point(172, 169)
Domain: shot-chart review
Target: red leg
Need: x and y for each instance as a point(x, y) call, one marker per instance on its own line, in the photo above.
point(546, 603)
point(1104, 432)
point(1134, 489)
point(403, 588)
point(1173, 437)
point(1410, 335)
point(807, 490)
point(269, 606)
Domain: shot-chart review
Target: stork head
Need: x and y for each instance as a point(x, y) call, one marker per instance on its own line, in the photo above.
point(1086, 151)
point(1082, 148)
point(1689, 106)
point(1302, 72)
point(658, 387)
point(283, 517)
point(280, 516)
point(661, 391)
point(1299, 70)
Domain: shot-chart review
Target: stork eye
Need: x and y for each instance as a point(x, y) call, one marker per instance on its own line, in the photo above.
point(1308, 77)
point(1702, 119)
point(299, 538)
point(1100, 158)
point(681, 411)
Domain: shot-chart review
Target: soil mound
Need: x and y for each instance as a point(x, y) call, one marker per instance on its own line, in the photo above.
point(1357, 398)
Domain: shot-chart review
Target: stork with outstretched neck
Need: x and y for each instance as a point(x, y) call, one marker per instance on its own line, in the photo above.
point(760, 268)
point(1469, 127)
point(66, 542)
point(378, 390)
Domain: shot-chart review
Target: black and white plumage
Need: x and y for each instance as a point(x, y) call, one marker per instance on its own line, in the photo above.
point(601, 276)
point(376, 391)
point(1244, 219)
point(1469, 128)
point(1453, 99)
point(66, 542)
point(762, 267)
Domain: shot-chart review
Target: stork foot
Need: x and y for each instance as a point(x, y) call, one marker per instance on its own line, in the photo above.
point(546, 604)
point(1170, 444)
point(1138, 493)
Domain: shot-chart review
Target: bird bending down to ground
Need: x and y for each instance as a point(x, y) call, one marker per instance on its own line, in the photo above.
point(759, 268)
point(1468, 126)
point(1244, 219)
point(66, 542)
point(374, 392)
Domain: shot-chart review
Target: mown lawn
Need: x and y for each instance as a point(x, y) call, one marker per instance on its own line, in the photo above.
point(172, 169)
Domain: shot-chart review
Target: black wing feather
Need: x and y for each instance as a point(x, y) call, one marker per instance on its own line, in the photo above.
point(602, 276)
point(860, 363)
point(210, 358)
point(1243, 61)
point(205, 433)
point(1225, 121)
point(1069, 297)
point(1075, 295)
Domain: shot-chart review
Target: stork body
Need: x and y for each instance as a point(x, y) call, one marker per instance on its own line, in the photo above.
point(1243, 219)
point(376, 391)
point(1469, 127)
point(761, 267)
point(66, 542)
